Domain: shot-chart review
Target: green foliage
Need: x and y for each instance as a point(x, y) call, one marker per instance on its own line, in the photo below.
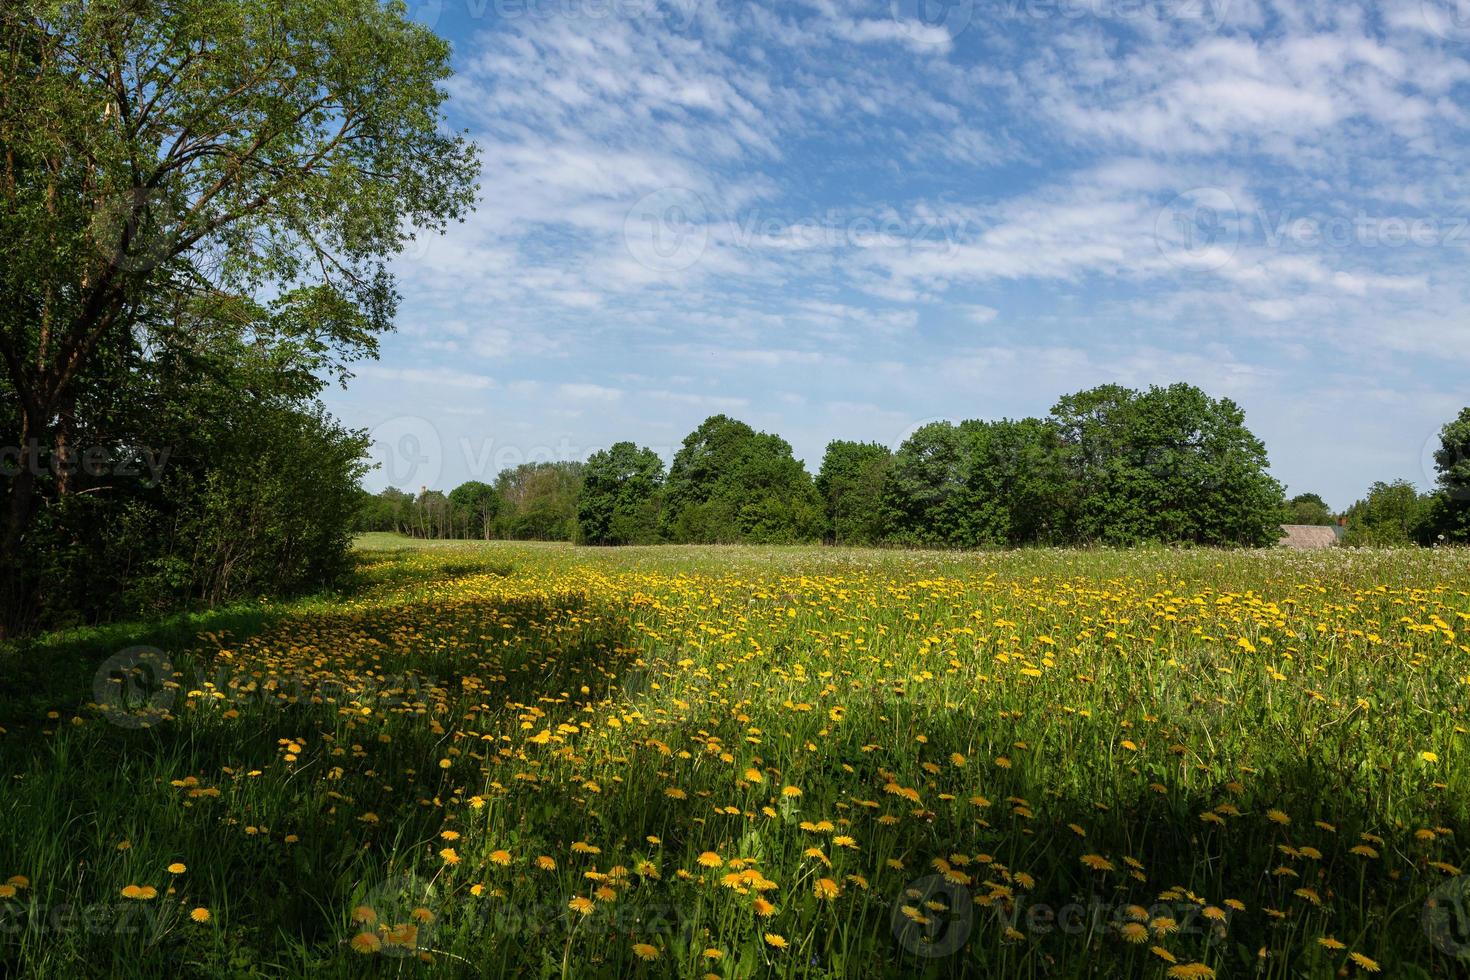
point(1165, 465)
point(926, 500)
point(620, 496)
point(538, 501)
point(850, 485)
point(164, 164)
point(1392, 515)
point(730, 483)
point(229, 485)
point(1449, 518)
point(1308, 508)
point(474, 506)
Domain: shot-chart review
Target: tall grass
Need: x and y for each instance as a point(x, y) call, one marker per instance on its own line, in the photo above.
point(536, 760)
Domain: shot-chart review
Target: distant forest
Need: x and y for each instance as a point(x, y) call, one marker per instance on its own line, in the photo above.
point(1109, 466)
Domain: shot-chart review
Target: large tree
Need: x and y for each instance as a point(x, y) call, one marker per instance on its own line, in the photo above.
point(1167, 464)
point(1449, 519)
point(538, 501)
point(1392, 515)
point(620, 491)
point(850, 484)
point(160, 151)
point(1308, 508)
point(475, 505)
point(730, 483)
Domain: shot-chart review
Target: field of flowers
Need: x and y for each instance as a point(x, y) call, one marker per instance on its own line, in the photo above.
point(546, 761)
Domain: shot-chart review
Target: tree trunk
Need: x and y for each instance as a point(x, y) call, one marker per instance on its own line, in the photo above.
point(20, 509)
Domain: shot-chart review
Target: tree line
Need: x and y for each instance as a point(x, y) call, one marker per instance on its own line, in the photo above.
point(1109, 465)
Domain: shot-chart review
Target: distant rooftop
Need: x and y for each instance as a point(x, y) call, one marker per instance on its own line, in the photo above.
point(1309, 537)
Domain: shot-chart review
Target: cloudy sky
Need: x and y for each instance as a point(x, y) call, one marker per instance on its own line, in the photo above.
point(843, 219)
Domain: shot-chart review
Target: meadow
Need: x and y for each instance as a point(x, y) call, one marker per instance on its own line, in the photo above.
point(531, 760)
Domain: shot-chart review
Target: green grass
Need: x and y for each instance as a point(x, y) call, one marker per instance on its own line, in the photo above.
point(1035, 741)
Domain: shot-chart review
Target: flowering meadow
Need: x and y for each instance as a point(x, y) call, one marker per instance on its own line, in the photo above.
point(545, 761)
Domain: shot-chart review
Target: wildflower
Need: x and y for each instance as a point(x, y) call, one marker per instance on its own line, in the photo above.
point(645, 951)
point(366, 942)
point(775, 940)
point(1190, 971)
point(1369, 966)
point(177, 868)
point(582, 906)
point(200, 915)
point(501, 858)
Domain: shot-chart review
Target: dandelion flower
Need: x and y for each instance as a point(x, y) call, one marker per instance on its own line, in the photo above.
point(200, 915)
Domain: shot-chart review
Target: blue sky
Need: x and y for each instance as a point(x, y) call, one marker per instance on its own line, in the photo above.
point(839, 219)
